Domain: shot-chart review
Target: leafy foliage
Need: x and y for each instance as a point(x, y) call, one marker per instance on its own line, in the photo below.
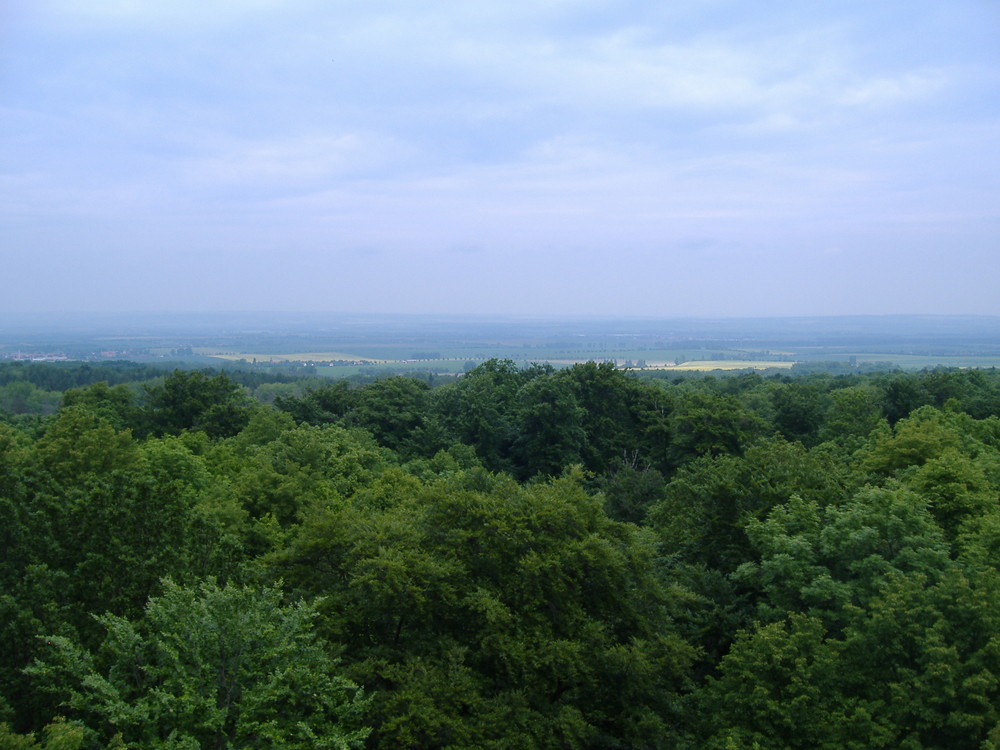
point(482, 615)
point(523, 557)
point(207, 667)
point(191, 400)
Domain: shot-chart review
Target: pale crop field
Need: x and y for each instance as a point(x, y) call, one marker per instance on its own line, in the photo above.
point(724, 364)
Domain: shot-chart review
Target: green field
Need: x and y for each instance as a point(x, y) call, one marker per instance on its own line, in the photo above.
point(293, 357)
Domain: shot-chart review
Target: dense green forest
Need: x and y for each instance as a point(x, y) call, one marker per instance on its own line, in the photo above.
point(520, 558)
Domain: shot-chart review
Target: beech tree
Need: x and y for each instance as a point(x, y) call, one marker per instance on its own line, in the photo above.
point(485, 614)
point(207, 667)
point(192, 400)
point(462, 551)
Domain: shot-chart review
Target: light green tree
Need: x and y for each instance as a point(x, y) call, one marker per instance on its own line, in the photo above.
point(59, 735)
point(207, 667)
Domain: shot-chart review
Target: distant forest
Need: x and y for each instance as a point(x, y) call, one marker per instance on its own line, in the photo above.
point(517, 557)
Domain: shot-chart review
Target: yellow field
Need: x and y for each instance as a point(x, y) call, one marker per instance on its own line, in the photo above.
point(727, 364)
point(297, 357)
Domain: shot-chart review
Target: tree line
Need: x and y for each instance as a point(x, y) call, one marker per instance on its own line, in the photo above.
point(525, 557)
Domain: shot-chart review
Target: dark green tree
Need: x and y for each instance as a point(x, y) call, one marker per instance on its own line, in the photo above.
point(853, 412)
point(329, 403)
point(393, 409)
point(706, 424)
point(629, 491)
point(798, 411)
point(192, 400)
point(550, 432)
point(610, 420)
point(485, 614)
point(708, 503)
point(479, 410)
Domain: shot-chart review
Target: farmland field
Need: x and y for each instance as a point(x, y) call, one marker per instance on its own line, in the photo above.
point(725, 364)
point(337, 345)
point(292, 357)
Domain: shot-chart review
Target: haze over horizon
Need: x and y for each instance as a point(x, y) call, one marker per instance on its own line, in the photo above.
point(582, 157)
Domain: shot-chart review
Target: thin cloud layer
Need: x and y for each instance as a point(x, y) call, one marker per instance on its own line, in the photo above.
point(559, 157)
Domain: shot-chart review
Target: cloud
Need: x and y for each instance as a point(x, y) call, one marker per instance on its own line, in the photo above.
point(291, 161)
point(540, 132)
point(168, 16)
point(889, 90)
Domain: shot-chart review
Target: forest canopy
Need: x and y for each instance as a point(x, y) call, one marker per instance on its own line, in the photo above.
point(523, 557)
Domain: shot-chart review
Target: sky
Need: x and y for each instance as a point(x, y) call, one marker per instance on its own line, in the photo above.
point(574, 157)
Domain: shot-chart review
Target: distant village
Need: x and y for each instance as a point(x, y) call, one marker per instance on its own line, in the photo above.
point(20, 355)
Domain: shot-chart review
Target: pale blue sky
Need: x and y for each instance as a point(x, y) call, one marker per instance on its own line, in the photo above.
point(546, 156)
